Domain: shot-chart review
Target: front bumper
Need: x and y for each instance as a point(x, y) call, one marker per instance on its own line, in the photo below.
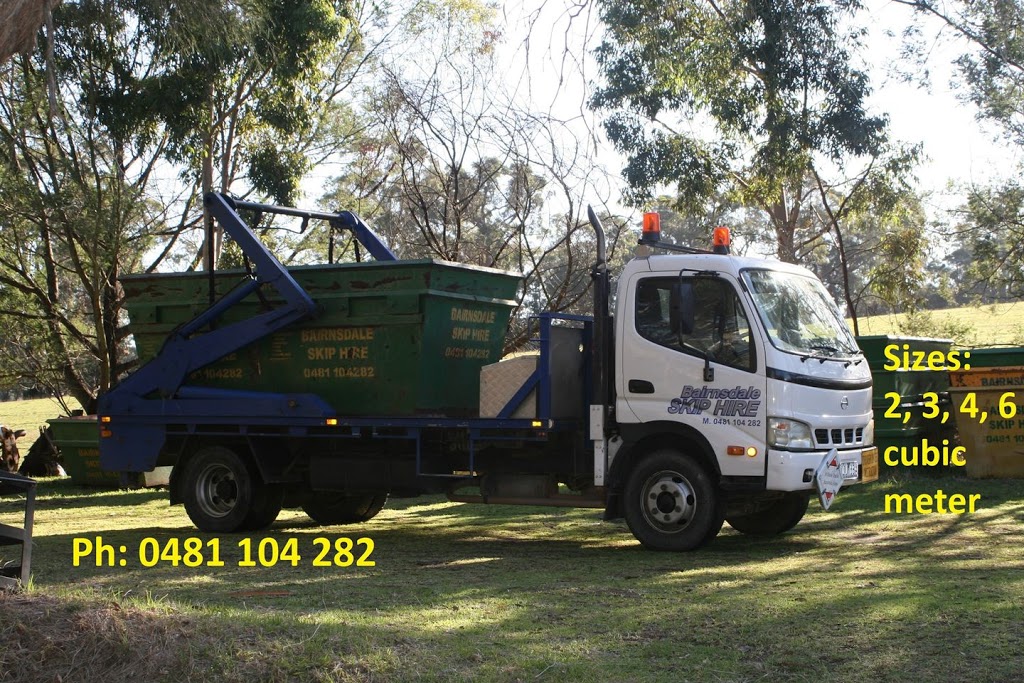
point(794, 471)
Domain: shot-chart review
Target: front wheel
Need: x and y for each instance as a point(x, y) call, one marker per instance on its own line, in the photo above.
point(672, 503)
point(779, 517)
point(224, 493)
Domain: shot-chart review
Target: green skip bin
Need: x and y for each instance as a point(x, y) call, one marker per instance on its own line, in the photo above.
point(910, 385)
point(392, 338)
point(78, 439)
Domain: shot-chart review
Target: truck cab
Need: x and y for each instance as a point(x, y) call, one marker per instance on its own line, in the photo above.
point(735, 380)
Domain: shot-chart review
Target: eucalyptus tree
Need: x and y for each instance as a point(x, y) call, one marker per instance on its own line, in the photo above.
point(875, 239)
point(990, 68)
point(246, 96)
point(148, 95)
point(874, 254)
point(73, 213)
point(742, 98)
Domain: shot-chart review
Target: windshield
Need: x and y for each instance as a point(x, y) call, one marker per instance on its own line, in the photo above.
point(799, 314)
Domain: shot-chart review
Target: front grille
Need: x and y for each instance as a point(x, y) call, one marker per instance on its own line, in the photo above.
point(848, 436)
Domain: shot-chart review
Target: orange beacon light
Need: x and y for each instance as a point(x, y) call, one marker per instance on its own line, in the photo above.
point(652, 228)
point(721, 240)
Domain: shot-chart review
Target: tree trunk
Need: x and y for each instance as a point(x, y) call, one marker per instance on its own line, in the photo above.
point(212, 239)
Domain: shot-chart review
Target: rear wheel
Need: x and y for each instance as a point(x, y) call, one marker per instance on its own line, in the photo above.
point(778, 517)
point(266, 508)
point(672, 503)
point(223, 492)
point(332, 507)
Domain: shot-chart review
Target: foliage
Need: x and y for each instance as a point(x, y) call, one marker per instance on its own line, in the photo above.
point(244, 99)
point(992, 221)
point(991, 71)
point(991, 64)
point(945, 282)
point(72, 217)
point(453, 166)
point(738, 97)
point(925, 324)
point(228, 97)
point(209, 70)
point(875, 245)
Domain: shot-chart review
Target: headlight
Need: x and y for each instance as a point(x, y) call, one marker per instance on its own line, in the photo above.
point(787, 433)
point(869, 433)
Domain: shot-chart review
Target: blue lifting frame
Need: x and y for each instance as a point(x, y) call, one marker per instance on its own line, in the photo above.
point(137, 415)
point(134, 414)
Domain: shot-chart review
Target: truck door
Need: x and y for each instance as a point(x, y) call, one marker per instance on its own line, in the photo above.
point(663, 366)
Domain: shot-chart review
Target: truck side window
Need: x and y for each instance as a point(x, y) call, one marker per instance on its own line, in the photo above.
point(720, 328)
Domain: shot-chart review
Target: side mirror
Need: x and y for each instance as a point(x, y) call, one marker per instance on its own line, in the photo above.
point(681, 307)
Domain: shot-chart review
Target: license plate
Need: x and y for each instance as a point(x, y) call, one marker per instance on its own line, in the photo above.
point(849, 470)
point(869, 465)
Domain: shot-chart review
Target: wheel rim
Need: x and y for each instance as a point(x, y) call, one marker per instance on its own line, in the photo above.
point(668, 501)
point(216, 490)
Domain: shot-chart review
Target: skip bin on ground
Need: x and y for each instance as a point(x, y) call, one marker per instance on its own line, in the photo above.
point(995, 380)
point(78, 440)
point(911, 386)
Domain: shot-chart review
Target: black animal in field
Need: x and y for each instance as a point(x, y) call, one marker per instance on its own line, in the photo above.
point(43, 458)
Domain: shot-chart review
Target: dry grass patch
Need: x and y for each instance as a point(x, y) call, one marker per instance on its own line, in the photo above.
point(49, 639)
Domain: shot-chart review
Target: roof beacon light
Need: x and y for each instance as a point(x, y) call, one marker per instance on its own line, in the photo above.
point(721, 240)
point(652, 229)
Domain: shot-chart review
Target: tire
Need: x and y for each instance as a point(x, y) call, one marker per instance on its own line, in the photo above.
point(266, 509)
point(778, 518)
point(332, 507)
point(223, 492)
point(672, 503)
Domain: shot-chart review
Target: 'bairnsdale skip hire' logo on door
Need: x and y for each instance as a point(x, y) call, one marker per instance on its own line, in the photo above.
point(735, 402)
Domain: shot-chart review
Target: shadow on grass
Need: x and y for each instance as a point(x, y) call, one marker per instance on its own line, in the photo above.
point(63, 493)
point(505, 593)
point(440, 609)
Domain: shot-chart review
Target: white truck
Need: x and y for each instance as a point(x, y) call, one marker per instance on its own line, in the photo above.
point(737, 382)
point(722, 389)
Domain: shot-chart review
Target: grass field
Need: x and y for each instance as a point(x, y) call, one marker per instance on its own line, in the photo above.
point(985, 325)
point(464, 592)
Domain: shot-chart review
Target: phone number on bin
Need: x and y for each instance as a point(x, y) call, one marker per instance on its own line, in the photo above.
point(199, 552)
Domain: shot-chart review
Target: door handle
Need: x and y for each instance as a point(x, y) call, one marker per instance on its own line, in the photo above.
point(640, 386)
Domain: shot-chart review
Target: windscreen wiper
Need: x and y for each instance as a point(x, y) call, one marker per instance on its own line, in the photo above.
point(833, 350)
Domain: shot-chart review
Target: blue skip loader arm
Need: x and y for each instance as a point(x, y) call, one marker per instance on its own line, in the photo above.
point(134, 414)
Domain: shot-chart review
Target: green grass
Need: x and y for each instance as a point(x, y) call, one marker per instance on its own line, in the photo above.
point(988, 325)
point(523, 594)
